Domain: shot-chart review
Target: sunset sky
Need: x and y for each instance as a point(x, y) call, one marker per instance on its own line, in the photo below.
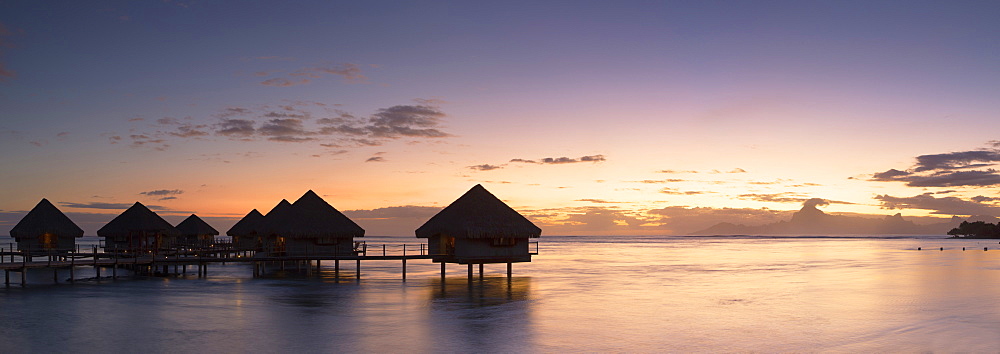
point(610, 117)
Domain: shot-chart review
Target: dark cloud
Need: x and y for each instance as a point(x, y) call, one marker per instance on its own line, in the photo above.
point(815, 202)
point(674, 191)
point(236, 127)
point(348, 72)
point(943, 205)
point(392, 221)
point(956, 160)
point(407, 120)
point(675, 171)
point(406, 211)
point(659, 181)
point(168, 121)
point(292, 122)
point(162, 192)
point(5, 74)
point(286, 127)
point(375, 159)
point(597, 201)
point(143, 140)
point(283, 82)
point(106, 206)
point(562, 160)
point(485, 167)
point(953, 169)
point(189, 131)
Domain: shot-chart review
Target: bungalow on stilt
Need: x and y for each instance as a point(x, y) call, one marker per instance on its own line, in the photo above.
point(195, 232)
point(311, 226)
point(479, 228)
point(246, 232)
point(46, 229)
point(270, 239)
point(138, 229)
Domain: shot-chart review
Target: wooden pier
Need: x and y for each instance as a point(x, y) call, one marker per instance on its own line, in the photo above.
point(175, 261)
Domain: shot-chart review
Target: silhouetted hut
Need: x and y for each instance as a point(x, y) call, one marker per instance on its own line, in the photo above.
point(195, 232)
point(270, 240)
point(46, 229)
point(311, 226)
point(246, 232)
point(138, 229)
point(478, 228)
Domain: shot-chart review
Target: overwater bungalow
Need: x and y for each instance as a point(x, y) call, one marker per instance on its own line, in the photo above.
point(195, 232)
point(46, 229)
point(270, 240)
point(311, 226)
point(478, 228)
point(138, 229)
point(246, 233)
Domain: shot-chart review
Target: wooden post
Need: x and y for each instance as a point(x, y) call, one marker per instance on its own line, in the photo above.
point(24, 278)
point(72, 262)
point(317, 266)
point(442, 270)
point(55, 275)
point(509, 269)
point(6, 277)
point(336, 268)
point(470, 271)
point(359, 269)
point(404, 269)
point(480, 271)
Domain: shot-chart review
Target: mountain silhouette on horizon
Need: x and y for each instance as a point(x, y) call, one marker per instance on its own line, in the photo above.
point(811, 221)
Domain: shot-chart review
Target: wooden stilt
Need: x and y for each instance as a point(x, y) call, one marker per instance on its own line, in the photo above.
point(509, 269)
point(470, 271)
point(55, 275)
point(317, 266)
point(6, 277)
point(442, 270)
point(24, 276)
point(404, 269)
point(72, 268)
point(336, 268)
point(359, 269)
point(480, 271)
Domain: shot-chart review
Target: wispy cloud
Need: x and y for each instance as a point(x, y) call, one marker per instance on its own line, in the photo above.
point(485, 167)
point(105, 206)
point(294, 122)
point(348, 72)
point(954, 169)
point(162, 192)
point(562, 160)
point(5, 74)
point(945, 205)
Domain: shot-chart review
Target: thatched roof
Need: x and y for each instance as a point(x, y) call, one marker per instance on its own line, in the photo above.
point(270, 224)
point(137, 218)
point(478, 214)
point(311, 216)
point(248, 224)
point(195, 226)
point(45, 218)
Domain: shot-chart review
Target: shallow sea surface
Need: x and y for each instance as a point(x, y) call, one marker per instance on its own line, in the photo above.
point(594, 294)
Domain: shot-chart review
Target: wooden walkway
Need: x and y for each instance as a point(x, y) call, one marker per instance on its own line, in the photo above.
point(160, 264)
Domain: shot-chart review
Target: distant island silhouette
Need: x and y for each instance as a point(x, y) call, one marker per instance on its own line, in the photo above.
point(811, 221)
point(976, 229)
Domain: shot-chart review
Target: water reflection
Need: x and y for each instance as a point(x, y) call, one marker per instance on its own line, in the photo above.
point(491, 291)
point(494, 313)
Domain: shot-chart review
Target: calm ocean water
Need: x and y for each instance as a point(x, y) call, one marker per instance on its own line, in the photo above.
point(623, 294)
